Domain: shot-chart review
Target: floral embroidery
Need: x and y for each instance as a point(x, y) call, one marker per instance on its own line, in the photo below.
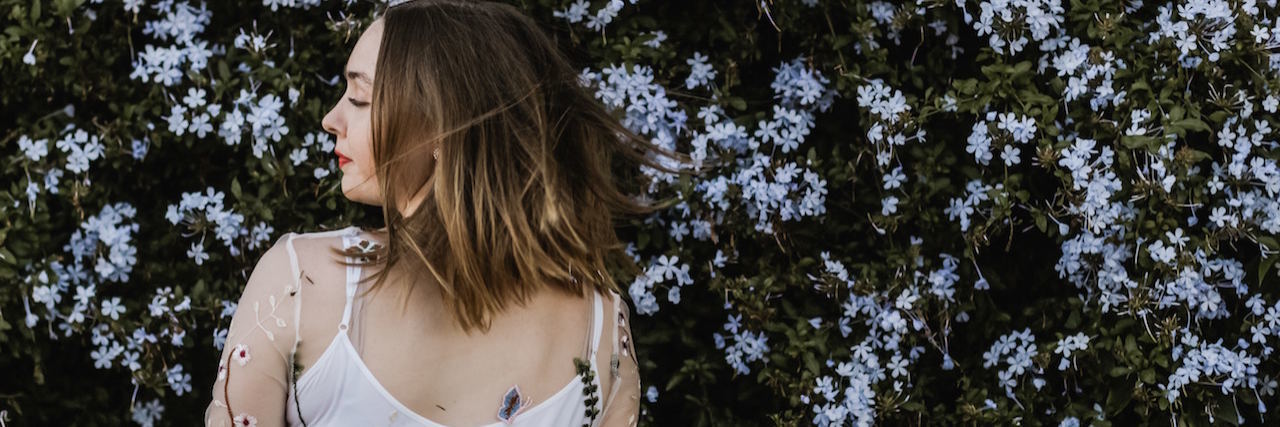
point(233, 332)
point(623, 335)
point(222, 370)
point(624, 341)
point(246, 420)
point(361, 249)
point(589, 390)
point(241, 354)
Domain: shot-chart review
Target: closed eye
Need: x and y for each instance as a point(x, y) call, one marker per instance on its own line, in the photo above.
point(357, 103)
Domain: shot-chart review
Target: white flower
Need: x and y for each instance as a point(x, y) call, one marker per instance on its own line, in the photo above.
point(241, 354)
point(246, 420)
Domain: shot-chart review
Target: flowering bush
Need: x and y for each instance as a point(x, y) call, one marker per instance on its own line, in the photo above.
point(922, 212)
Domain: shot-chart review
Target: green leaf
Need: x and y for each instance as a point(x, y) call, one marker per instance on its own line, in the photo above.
point(1119, 396)
point(1148, 376)
point(1197, 156)
point(811, 363)
point(1021, 67)
point(1191, 124)
point(7, 257)
point(1264, 266)
point(63, 8)
point(737, 103)
point(1138, 142)
point(1140, 85)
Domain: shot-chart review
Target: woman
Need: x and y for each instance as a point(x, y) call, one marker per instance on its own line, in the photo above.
point(488, 303)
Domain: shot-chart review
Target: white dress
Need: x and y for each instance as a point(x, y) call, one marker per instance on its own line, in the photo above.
point(339, 389)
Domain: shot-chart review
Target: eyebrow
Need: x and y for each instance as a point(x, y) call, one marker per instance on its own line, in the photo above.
point(356, 75)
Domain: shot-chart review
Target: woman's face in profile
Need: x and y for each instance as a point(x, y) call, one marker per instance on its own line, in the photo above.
point(350, 121)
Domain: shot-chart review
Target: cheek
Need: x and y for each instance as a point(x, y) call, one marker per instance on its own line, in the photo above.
point(360, 142)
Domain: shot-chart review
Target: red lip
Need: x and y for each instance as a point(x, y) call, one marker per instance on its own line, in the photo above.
point(342, 160)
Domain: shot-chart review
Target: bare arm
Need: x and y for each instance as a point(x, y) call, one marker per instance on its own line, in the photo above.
point(253, 372)
point(622, 399)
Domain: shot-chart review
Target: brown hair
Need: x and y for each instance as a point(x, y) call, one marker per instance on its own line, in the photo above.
point(523, 194)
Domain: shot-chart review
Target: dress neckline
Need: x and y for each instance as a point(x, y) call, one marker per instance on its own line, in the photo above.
point(349, 348)
point(400, 406)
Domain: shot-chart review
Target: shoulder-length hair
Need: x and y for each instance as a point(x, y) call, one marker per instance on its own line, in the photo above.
point(524, 193)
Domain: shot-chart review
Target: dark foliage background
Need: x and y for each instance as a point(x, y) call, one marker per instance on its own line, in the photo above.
point(928, 212)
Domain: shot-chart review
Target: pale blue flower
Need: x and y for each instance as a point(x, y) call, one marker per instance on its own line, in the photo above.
point(33, 150)
point(102, 358)
point(894, 178)
point(197, 253)
point(113, 308)
point(700, 72)
point(30, 58)
point(888, 205)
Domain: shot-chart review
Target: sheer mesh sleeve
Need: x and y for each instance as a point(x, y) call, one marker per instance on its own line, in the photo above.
point(254, 371)
point(622, 403)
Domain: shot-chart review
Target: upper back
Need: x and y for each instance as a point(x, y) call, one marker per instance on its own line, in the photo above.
point(409, 346)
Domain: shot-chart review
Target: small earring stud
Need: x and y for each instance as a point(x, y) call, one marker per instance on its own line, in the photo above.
point(435, 154)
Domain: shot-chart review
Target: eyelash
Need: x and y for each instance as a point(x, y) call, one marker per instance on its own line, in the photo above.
point(357, 104)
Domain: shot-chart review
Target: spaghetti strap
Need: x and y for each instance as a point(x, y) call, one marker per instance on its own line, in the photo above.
point(353, 279)
point(596, 324)
point(340, 389)
point(294, 289)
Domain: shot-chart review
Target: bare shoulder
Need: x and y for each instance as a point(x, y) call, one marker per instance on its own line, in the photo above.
point(321, 285)
point(272, 273)
point(315, 257)
point(622, 387)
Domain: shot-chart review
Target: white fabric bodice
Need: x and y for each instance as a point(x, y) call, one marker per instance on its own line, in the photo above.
point(340, 390)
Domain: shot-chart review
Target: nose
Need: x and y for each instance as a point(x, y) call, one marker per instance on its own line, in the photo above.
point(330, 122)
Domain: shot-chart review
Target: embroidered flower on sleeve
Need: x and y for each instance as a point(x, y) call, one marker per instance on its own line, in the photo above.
point(623, 335)
point(241, 354)
point(246, 420)
point(363, 250)
point(222, 370)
